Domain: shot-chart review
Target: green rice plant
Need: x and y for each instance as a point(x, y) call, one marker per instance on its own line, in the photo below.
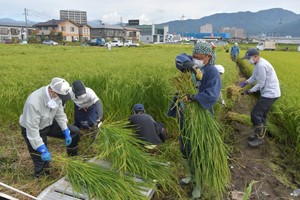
point(241, 118)
point(100, 183)
point(249, 190)
point(124, 151)
point(208, 157)
point(289, 118)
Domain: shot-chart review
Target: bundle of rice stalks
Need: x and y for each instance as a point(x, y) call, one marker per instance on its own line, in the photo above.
point(124, 151)
point(241, 118)
point(100, 183)
point(208, 158)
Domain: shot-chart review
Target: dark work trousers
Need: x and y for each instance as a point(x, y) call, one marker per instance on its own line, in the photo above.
point(260, 111)
point(85, 120)
point(42, 167)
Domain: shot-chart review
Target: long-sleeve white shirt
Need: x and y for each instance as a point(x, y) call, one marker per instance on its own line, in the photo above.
point(37, 116)
point(266, 80)
point(90, 98)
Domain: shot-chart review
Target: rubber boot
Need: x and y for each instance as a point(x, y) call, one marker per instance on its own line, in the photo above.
point(188, 178)
point(72, 151)
point(196, 193)
point(258, 139)
point(252, 137)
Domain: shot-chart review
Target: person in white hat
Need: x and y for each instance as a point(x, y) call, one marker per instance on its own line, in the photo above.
point(43, 115)
point(221, 70)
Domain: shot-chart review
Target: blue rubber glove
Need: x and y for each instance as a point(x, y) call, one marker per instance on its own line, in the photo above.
point(68, 138)
point(243, 84)
point(45, 154)
point(246, 92)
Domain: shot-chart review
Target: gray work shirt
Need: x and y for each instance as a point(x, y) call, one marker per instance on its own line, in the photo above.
point(266, 80)
point(37, 116)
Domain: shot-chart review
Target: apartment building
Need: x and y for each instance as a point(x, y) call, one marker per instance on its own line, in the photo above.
point(79, 17)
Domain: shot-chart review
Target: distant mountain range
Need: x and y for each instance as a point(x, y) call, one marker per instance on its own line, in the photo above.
point(276, 21)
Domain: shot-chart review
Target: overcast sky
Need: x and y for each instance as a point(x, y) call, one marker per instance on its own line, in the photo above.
point(147, 11)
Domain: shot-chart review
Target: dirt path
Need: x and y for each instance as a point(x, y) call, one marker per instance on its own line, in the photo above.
point(253, 164)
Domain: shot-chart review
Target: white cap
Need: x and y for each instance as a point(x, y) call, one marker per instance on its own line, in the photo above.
point(220, 68)
point(61, 87)
point(235, 43)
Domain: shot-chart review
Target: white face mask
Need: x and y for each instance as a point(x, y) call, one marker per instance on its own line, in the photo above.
point(199, 63)
point(53, 103)
point(251, 61)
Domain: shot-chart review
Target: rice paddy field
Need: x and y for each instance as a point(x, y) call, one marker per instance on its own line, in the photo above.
point(122, 77)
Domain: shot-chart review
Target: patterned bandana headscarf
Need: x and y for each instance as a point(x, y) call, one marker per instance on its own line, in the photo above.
point(206, 49)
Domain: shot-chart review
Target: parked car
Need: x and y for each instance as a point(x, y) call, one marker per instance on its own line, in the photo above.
point(96, 42)
point(130, 43)
point(7, 41)
point(23, 42)
point(266, 45)
point(115, 43)
point(50, 42)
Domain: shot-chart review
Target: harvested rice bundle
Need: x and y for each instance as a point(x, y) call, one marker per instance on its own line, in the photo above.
point(124, 151)
point(100, 183)
point(208, 157)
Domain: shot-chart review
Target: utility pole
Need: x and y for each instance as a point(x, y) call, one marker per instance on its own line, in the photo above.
point(182, 18)
point(26, 26)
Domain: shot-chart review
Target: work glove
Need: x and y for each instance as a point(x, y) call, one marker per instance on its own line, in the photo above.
point(188, 65)
point(246, 92)
point(243, 84)
point(198, 74)
point(223, 103)
point(98, 123)
point(186, 98)
point(68, 138)
point(45, 154)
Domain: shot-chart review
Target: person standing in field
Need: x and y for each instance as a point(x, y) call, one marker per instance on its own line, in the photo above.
point(267, 83)
point(207, 96)
point(234, 52)
point(147, 129)
point(221, 70)
point(43, 115)
point(109, 46)
point(88, 110)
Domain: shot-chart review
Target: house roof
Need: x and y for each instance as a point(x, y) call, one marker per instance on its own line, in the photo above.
point(53, 22)
point(131, 29)
point(81, 25)
point(15, 26)
point(108, 27)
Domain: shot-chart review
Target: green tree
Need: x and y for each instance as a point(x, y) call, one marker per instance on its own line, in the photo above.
point(59, 37)
point(43, 36)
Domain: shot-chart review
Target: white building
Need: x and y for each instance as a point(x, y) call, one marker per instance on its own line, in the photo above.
point(207, 28)
point(76, 16)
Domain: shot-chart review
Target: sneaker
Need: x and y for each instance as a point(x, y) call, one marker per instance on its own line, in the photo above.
point(256, 142)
